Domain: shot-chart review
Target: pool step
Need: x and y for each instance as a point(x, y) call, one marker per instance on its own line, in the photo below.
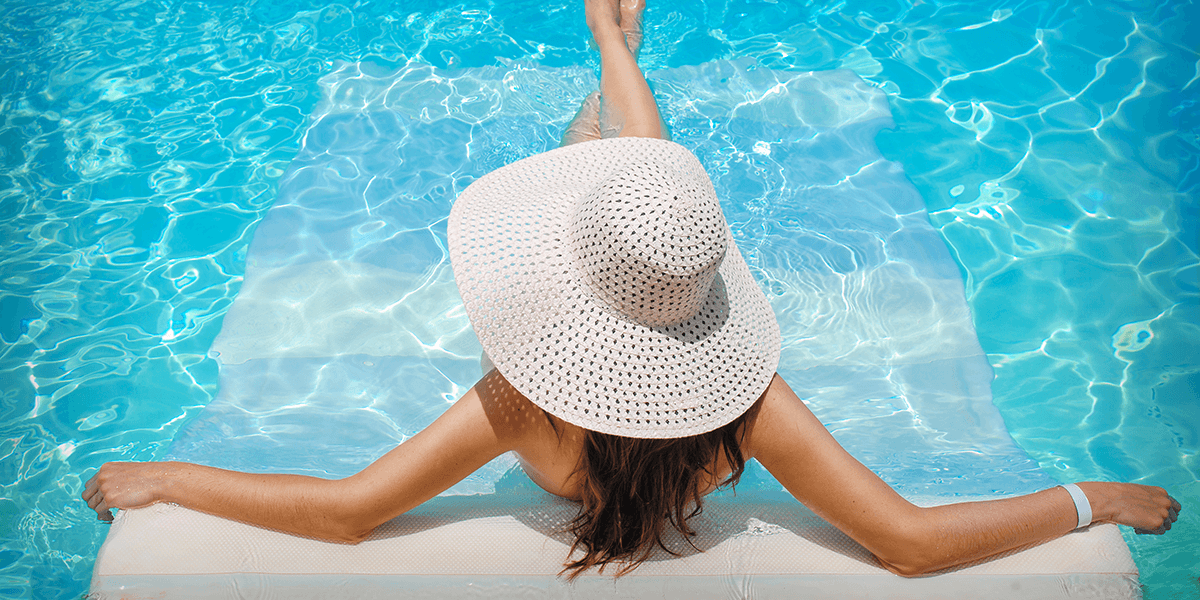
point(512, 546)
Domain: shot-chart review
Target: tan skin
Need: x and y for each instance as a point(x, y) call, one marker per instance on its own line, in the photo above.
point(494, 418)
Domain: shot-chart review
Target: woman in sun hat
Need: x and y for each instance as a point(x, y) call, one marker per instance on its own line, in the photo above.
point(634, 371)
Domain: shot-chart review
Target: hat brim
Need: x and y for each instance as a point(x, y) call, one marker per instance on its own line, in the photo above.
point(568, 352)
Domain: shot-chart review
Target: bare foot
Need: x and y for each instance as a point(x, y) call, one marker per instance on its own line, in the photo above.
point(603, 16)
point(631, 23)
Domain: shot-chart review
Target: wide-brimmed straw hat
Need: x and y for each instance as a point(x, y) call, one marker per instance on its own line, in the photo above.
point(604, 284)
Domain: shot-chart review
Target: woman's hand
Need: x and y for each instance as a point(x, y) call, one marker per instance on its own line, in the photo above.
point(126, 485)
point(1147, 509)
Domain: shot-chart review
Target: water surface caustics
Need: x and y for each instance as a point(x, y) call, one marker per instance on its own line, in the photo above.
point(1055, 145)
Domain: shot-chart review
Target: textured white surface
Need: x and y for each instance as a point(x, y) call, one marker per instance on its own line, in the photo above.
point(511, 545)
point(544, 282)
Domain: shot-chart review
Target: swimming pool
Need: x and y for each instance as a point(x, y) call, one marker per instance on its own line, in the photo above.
point(1055, 146)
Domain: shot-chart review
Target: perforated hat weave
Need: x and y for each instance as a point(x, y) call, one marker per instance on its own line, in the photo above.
point(603, 282)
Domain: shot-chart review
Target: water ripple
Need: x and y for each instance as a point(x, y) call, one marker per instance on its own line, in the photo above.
point(1055, 145)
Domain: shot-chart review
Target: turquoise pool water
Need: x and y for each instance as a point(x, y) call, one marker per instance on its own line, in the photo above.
point(1056, 147)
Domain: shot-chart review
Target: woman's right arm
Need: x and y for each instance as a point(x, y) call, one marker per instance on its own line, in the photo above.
point(908, 540)
point(468, 435)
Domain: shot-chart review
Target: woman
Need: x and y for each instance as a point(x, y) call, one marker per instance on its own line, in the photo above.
point(635, 371)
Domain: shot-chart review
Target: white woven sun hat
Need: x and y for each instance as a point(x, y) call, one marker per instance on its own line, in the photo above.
point(604, 284)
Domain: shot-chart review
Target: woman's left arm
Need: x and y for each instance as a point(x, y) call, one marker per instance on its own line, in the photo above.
point(460, 441)
point(797, 449)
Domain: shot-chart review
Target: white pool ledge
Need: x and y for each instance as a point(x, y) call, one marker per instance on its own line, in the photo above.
point(498, 547)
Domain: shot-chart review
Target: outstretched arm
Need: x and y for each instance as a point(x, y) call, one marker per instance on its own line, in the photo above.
point(452, 447)
point(793, 445)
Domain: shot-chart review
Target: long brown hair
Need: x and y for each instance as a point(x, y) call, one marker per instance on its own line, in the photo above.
point(632, 488)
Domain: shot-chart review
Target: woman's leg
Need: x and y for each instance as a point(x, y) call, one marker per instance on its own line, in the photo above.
point(631, 23)
point(628, 105)
point(585, 127)
point(624, 106)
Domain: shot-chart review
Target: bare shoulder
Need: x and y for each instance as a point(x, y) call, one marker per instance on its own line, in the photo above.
point(513, 418)
point(548, 447)
point(788, 439)
point(781, 422)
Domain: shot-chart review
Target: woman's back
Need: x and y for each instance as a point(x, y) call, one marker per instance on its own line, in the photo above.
point(549, 448)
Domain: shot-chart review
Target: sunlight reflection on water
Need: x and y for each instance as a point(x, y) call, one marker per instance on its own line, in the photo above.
point(141, 145)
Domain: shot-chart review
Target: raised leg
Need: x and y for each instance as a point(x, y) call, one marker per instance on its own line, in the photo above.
point(627, 105)
point(624, 107)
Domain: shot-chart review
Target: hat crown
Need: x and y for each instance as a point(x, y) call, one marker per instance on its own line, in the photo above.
point(648, 241)
point(546, 252)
